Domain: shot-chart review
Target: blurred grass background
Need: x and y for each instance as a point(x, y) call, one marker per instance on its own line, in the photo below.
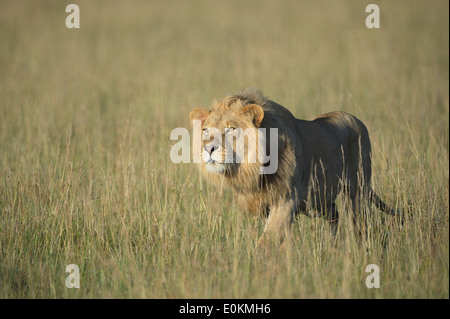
point(85, 173)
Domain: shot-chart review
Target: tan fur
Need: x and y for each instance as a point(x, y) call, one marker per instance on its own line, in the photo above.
point(316, 160)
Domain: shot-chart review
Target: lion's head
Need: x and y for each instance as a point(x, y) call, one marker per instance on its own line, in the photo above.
point(229, 135)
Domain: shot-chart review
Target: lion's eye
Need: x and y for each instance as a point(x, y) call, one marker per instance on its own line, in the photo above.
point(205, 131)
point(230, 130)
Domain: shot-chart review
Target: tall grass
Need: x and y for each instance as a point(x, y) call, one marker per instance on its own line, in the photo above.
point(85, 173)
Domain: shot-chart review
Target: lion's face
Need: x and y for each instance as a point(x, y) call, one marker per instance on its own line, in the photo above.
point(227, 135)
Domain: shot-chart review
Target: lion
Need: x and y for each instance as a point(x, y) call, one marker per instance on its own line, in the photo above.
point(317, 160)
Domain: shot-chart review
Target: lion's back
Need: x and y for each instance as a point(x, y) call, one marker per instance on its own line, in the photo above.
point(342, 125)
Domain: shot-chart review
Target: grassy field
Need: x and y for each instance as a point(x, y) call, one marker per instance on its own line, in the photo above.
point(85, 173)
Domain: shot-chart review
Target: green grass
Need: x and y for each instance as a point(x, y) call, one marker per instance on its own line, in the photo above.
point(85, 173)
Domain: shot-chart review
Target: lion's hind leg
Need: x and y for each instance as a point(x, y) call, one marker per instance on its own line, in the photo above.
point(332, 216)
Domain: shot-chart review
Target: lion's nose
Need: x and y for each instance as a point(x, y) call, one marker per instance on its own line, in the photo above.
point(210, 148)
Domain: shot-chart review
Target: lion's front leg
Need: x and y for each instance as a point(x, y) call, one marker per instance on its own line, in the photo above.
point(278, 224)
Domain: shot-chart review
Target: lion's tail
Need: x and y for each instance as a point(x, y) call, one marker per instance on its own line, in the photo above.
point(373, 198)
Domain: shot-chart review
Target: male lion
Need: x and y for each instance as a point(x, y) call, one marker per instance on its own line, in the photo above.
point(316, 160)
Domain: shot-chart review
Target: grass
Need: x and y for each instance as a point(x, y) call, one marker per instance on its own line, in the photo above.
point(85, 173)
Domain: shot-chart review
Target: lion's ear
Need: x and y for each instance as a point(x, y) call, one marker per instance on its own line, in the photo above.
point(199, 114)
point(254, 112)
